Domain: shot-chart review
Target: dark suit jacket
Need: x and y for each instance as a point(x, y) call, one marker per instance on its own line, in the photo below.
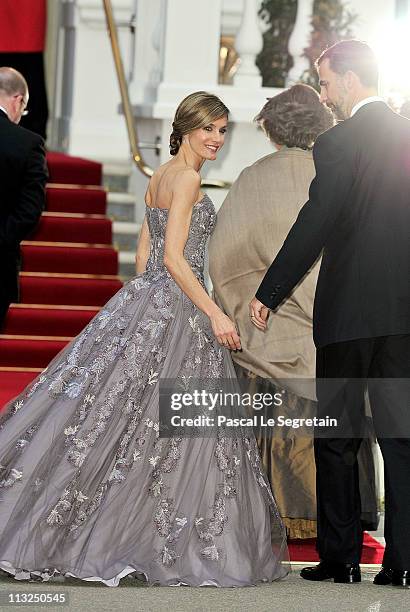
point(23, 175)
point(358, 212)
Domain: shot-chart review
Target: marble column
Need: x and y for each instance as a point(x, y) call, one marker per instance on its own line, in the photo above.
point(191, 45)
point(248, 43)
point(299, 39)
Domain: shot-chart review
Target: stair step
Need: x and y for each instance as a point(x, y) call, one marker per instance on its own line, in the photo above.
point(126, 257)
point(73, 170)
point(30, 351)
point(68, 198)
point(71, 289)
point(116, 176)
point(126, 261)
point(126, 236)
point(69, 257)
point(38, 319)
point(114, 197)
point(13, 380)
point(126, 227)
point(121, 206)
point(70, 227)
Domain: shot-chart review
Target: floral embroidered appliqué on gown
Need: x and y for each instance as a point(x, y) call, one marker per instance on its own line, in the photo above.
point(89, 489)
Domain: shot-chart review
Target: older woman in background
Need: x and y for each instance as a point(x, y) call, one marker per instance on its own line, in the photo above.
point(252, 225)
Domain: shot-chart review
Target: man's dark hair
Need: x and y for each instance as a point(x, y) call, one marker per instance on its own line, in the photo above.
point(295, 117)
point(353, 55)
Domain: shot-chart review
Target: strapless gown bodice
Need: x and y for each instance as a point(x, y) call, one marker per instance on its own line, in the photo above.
point(202, 223)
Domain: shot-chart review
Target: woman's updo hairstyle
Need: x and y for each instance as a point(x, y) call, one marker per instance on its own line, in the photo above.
point(197, 110)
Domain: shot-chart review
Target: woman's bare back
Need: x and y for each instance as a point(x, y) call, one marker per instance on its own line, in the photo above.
point(161, 186)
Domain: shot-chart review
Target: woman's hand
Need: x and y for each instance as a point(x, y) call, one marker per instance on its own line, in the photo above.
point(225, 330)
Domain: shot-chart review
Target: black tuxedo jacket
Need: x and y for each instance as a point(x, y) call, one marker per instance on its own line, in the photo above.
point(23, 175)
point(358, 213)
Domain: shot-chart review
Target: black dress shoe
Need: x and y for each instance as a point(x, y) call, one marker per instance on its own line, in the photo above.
point(395, 577)
point(340, 572)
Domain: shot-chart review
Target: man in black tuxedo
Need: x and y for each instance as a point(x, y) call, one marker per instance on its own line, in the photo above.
point(23, 175)
point(358, 214)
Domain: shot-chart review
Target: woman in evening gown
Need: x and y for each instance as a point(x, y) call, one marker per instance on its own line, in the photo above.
point(88, 488)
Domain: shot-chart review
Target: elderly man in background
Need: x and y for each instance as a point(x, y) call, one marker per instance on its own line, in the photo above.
point(23, 175)
point(252, 224)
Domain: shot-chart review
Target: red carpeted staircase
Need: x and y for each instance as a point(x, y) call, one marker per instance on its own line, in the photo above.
point(69, 271)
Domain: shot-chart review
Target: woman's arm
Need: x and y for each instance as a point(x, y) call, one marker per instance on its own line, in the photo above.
point(185, 194)
point(143, 248)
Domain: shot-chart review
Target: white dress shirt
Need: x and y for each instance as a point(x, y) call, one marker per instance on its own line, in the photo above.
point(365, 101)
point(4, 110)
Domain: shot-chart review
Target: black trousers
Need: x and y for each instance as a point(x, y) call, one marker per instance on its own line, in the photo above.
point(382, 365)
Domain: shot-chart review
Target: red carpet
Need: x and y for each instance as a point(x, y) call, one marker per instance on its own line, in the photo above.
point(67, 289)
point(72, 258)
point(66, 198)
point(13, 382)
point(29, 351)
point(69, 271)
point(304, 550)
point(73, 170)
point(71, 227)
point(39, 320)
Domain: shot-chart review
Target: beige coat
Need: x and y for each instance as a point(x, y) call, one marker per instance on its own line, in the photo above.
point(251, 227)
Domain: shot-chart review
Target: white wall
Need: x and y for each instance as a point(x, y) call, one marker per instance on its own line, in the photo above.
point(373, 17)
point(98, 130)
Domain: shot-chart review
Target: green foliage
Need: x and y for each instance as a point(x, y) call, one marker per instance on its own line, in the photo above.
point(274, 61)
point(331, 21)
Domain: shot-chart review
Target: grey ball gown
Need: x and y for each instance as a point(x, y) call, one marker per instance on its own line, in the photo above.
point(89, 489)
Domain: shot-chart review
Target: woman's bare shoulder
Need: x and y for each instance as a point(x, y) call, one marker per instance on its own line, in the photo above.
point(186, 178)
point(159, 174)
point(154, 183)
point(171, 180)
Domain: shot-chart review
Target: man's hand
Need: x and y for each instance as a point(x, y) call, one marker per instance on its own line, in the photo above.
point(258, 313)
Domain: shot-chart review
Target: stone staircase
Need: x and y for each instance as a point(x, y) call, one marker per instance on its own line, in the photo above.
point(121, 209)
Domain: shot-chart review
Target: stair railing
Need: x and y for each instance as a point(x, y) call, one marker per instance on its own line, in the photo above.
point(135, 145)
